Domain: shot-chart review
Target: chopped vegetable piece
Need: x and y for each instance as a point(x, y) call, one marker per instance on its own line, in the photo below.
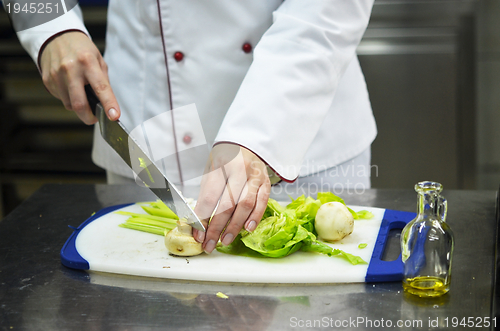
point(365, 214)
point(180, 240)
point(222, 295)
point(149, 217)
point(146, 221)
point(319, 247)
point(159, 208)
point(151, 222)
point(144, 228)
point(363, 245)
point(159, 212)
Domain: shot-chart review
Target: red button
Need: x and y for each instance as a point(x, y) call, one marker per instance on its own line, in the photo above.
point(247, 48)
point(187, 139)
point(178, 56)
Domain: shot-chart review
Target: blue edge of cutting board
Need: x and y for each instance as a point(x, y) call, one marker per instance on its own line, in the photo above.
point(69, 255)
point(378, 270)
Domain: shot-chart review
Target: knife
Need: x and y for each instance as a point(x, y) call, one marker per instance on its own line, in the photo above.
point(118, 137)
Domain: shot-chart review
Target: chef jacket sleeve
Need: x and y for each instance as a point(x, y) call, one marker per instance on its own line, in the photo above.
point(36, 38)
point(291, 83)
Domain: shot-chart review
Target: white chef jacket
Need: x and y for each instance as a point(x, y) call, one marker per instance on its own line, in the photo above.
point(280, 78)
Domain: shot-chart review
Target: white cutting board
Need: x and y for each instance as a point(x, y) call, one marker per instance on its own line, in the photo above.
point(113, 249)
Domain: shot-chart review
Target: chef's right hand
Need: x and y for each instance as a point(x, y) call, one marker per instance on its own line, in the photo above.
point(68, 63)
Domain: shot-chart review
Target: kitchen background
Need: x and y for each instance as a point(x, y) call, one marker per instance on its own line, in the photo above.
point(432, 69)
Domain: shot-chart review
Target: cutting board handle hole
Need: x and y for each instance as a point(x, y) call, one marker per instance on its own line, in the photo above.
point(392, 248)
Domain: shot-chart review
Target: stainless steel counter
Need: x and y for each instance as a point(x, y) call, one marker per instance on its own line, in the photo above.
point(38, 293)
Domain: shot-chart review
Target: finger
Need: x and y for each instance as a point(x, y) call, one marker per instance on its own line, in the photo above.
point(104, 67)
point(69, 84)
point(227, 205)
point(68, 72)
point(79, 103)
point(260, 207)
point(237, 177)
point(212, 187)
point(63, 95)
point(70, 87)
point(199, 236)
point(99, 82)
point(50, 79)
point(55, 83)
point(57, 77)
point(243, 209)
point(218, 222)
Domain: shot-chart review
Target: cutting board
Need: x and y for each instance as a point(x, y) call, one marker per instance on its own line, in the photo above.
point(99, 244)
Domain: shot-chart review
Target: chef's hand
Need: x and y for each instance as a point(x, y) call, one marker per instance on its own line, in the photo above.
point(239, 179)
point(68, 63)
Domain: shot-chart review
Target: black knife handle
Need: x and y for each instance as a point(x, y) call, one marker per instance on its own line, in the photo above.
point(92, 98)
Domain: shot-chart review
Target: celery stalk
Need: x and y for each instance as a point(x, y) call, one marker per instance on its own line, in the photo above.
point(158, 220)
point(160, 212)
point(145, 221)
point(144, 228)
point(158, 208)
point(150, 217)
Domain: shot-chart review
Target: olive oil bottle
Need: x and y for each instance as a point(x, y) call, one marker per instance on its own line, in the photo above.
point(427, 245)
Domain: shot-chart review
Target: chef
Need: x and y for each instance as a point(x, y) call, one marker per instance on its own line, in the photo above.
point(273, 87)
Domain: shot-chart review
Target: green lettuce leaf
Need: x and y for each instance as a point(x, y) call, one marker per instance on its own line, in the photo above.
point(365, 214)
point(237, 247)
point(276, 236)
point(273, 208)
point(325, 197)
point(322, 248)
point(305, 208)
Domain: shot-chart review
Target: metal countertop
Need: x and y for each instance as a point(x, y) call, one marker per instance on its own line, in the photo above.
point(38, 293)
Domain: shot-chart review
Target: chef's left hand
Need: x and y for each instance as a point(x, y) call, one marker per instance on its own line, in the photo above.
point(236, 186)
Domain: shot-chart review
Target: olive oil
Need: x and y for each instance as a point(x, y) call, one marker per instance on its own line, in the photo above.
point(426, 286)
point(427, 245)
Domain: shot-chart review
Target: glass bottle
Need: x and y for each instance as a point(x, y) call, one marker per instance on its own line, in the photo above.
point(427, 245)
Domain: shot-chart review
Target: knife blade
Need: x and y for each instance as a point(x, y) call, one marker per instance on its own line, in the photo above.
point(118, 137)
